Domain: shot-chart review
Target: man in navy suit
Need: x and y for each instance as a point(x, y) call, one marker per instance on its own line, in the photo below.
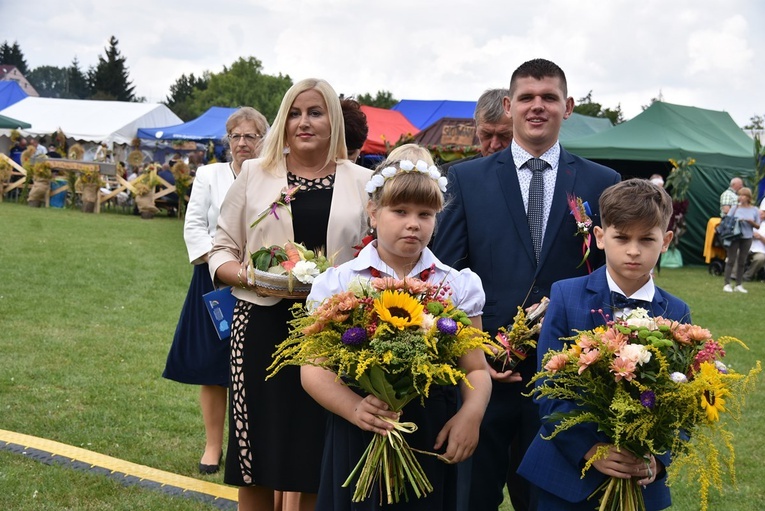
point(635, 216)
point(485, 228)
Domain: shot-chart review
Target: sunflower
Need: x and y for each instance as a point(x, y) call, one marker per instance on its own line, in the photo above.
point(713, 396)
point(399, 309)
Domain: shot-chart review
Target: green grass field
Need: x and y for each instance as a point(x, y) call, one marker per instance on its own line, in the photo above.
point(88, 306)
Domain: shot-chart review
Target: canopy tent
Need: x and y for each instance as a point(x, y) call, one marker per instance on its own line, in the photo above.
point(10, 93)
point(578, 126)
point(644, 145)
point(384, 125)
point(8, 123)
point(423, 113)
point(211, 125)
point(113, 122)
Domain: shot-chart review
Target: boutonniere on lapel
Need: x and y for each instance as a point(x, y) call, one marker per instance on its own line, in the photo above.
point(286, 196)
point(581, 211)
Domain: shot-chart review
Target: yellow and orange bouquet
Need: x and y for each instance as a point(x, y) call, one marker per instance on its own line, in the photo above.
point(652, 386)
point(393, 339)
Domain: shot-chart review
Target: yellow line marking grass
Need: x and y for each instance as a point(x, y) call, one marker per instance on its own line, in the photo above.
point(117, 465)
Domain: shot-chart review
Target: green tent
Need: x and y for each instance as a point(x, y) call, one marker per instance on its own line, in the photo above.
point(10, 124)
point(578, 126)
point(643, 146)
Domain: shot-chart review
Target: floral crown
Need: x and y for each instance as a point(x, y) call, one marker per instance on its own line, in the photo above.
point(378, 180)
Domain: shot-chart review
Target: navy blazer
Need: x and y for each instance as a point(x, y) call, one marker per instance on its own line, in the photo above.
point(555, 465)
point(484, 228)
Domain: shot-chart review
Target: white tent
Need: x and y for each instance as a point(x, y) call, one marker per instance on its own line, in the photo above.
point(113, 122)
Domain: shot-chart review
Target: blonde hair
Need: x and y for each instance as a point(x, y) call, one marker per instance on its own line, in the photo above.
point(411, 152)
point(276, 140)
point(247, 114)
point(745, 191)
point(406, 188)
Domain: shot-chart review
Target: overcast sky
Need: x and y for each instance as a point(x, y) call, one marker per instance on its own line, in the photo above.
point(704, 53)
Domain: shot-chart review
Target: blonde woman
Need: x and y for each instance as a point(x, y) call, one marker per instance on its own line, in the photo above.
point(276, 431)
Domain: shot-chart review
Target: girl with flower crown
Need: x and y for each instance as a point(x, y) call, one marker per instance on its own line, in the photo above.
point(404, 200)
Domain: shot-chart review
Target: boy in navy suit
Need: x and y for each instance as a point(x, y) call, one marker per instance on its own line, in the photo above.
point(635, 215)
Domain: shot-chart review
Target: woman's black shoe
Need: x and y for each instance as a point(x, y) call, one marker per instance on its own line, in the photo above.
point(210, 469)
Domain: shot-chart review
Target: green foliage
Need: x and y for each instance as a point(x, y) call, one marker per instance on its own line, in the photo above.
point(243, 84)
point(586, 106)
point(12, 54)
point(181, 95)
point(383, 99)
point(49, 81)
point(110, 79)
point(679, 179)
point(756, 123)
point(77, 86)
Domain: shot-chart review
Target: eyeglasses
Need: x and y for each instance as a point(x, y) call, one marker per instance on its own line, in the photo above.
point(250, 138)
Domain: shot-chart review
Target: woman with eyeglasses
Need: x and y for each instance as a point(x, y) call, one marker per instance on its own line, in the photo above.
point(276, 430)
point(197, 356)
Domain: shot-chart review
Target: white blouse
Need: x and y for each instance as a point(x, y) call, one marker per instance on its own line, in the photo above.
point(465, 286)
point(207, 193)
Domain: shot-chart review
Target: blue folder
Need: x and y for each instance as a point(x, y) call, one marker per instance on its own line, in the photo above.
point(220, 304)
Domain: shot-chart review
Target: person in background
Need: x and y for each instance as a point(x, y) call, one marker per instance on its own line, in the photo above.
point(52, 153)
point(197, 356)
point(757, 250)
point(493, 125)
point(356, 128)
point(276, 431)
point(39, 148)
point(729, 197)
point(748, 219)
point(171, 199)
point(19, 147)
point(635, 217)
point(485, 227)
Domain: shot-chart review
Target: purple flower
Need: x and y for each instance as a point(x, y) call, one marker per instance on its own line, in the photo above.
point(447, 326)
point(354, 336)
point(648, 399)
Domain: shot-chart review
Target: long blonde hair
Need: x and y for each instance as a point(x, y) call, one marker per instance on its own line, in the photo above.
point(276, 141)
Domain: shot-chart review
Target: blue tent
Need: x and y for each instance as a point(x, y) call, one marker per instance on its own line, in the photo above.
point(211, 125)
point(423, 113)
point(10, 93)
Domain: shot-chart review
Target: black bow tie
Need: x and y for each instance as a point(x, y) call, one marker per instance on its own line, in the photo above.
point(619, 301)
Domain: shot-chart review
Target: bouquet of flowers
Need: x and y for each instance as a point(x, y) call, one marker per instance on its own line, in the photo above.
point(394, 339)
point(520, 339)
point(652, 386)
point(286, 271)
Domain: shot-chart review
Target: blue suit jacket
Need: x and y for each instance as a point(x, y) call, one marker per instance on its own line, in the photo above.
point(484, 228)
point(555, 465)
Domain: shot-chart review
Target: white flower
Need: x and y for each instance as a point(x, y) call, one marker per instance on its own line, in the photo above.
point(427, 322)
point(434, 172)
point(442, 183)
point(422, 166)
point(406, 165)
point(389, 171)
point(678, 377)
point(639, 317)
point(721, 367)
point(360, 286)
point(636, 353)
point(376, 182)
point(305, 271)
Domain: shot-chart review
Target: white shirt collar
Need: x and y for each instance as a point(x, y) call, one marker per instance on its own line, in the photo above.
point(369, 258)
point(521, 155)
point(645, 293)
